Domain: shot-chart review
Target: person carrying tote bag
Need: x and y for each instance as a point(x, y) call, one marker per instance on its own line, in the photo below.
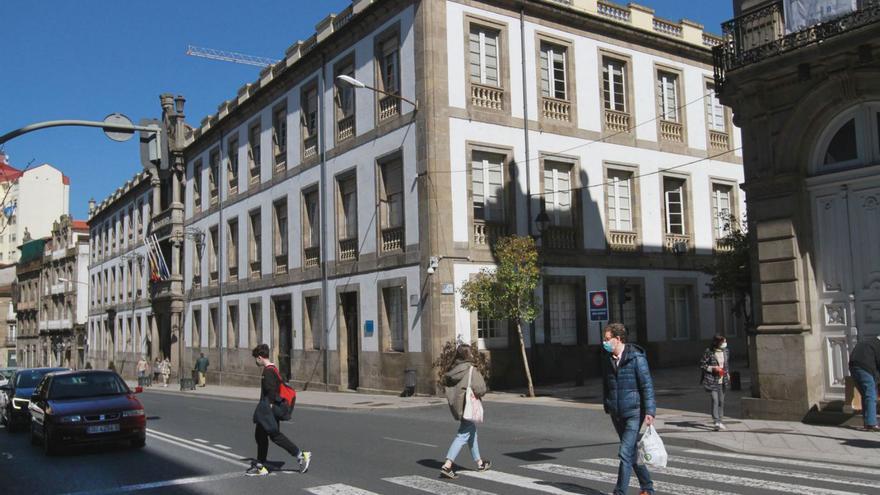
point(463, 380)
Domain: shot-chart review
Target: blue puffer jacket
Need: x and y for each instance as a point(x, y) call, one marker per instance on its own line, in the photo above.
point(629, 390)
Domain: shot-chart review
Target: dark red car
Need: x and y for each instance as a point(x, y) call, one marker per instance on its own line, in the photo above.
point(78, 407)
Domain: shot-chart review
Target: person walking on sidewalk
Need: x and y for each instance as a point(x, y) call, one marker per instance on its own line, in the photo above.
point(864, 367)
point(628, 392)
point(202, 368)
point(157, 369)
point(460, 375)
point(142, 367)
point(165, 371)
point(266, 417)
point(716, 368)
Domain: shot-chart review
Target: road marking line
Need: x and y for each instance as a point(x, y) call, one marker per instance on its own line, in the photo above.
point(436, 487)
point(159, 484)
point(733, 480)
point(200, 451)
point(557, 488)
point(198, 445)
point(338, 489)
point(201, 441)
point(750, 468)
point(788, 462)
point(221, 446)
point(611, 479)
point(410, 442)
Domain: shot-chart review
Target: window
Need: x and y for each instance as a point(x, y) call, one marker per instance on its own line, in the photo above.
point(254, 326)
point(214, 175)
point(255, 243)
point(619, 187)
point(391, 205)
point(558, 193)
point(484, 66)
point(667, 96)
point(311, 226)
point(389, 78)
point(679, 311)
point(347, 222)
point(279, 232)
point(721, 210)
point(310, 122)
point(232, 326)
point(312, 321)
point(129, 225)
point(214, 256)
point(491, 334)
point(138, 221)
point(729, 321)
point(614, 84)
point(232, 166)
point(714, 110)
point(197, 265)
point(843, 146)
point(232, 249)
point(673, 192)
point(196, 328)
point(345, 94)
point(563, 316)
point(279, 137)
point(487, 181)
point(254, 152)
point(393, 298)
point(213, 328)
point(553, 76)
point(197, 186)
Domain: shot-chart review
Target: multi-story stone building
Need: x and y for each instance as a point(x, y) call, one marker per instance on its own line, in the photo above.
point(52, 296)
point(121, 327)
point(338, 221)
point(8, 331)
point(804, 85)
point(30, 200)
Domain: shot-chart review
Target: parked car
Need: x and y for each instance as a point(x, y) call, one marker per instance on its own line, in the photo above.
point(18, 392)
point(88, 406)
point(5, 375)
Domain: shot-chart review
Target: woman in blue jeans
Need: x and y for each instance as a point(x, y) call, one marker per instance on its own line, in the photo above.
point(456, 382)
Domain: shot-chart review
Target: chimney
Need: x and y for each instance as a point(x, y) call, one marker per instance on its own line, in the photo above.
point(91, 206)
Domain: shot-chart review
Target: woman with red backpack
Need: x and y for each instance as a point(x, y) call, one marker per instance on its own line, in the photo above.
point(272, 408)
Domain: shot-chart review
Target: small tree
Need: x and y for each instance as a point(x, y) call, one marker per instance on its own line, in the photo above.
point(731, 271)
point(508, 291)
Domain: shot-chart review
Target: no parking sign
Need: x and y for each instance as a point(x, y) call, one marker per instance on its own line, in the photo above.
point(598, 305)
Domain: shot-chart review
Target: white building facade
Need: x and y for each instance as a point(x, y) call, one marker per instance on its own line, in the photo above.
point(629, 154)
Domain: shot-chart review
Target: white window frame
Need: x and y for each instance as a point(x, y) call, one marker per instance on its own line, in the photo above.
point(393, 299)
point(680, 309)
point(680, 190)
point(614, 200)
point(494, 333)
point(482, 189)
point(563, 336)
point(720, 215)
point(549, 51)
point(613, 68)
point(714, 110)
point(667, 87)
point(551, 197)
point(482, 32)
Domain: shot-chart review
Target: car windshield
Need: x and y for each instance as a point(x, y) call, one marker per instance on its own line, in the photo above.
point(86, 385)
point(5, 374)
point(29, 378)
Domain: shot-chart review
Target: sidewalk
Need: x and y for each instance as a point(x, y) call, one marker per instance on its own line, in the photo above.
point(682, 416)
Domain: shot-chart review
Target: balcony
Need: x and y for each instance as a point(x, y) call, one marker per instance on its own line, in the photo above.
point(9, 342)
point(722, 246)
point(345, 128)
point(280, 161)
point(762, 34)
point(171, 217)
point(348, 249)
point(280, 263)
point(389, 106)
point(719, 140)
point(310, 147)
point(560, 238)
point(487, 234)
point(488, 97)
point(392, 239)
point(677, 243)
point(59, 288)
point(625, 242)
point(554, 109)
point(311, 256)
point(671, 131)
point(616, 121)
point(615, 12)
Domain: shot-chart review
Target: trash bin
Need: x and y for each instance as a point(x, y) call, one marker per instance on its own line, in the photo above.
point(409, 382)
point(735, 381)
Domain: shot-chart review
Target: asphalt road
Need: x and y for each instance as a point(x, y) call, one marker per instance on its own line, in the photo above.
point(201, 445)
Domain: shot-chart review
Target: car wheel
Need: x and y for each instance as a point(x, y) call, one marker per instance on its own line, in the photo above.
point(49, 445)
point(139, 443)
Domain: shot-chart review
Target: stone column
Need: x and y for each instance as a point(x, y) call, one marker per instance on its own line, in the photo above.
point(157, 195)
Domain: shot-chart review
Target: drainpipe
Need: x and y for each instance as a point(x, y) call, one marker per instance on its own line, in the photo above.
point(222, 241)
point(522, 40)
point(322, 197)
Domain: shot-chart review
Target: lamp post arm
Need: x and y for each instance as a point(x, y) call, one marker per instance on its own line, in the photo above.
point(80, 123)
point(415, 104)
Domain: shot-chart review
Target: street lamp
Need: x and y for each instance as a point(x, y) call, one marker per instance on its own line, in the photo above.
point(358, 84)
point(542, 221)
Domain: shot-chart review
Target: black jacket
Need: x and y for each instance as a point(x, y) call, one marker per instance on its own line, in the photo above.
point(265, 413)
point(866, 355)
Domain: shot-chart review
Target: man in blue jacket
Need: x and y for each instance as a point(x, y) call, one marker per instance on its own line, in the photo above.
point(629, 399)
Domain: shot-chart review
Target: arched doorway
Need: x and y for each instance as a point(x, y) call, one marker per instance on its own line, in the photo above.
point(845, 195)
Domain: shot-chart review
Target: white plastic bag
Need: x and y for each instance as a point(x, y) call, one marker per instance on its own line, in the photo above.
point(473, 406)
point(651, 449)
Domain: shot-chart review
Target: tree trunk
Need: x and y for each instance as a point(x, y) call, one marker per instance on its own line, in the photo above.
point(522, 348)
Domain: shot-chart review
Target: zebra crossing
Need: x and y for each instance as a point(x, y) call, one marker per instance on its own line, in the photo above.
point(695, 472)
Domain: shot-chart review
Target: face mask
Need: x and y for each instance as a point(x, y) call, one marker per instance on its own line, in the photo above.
point(608, 346)
point(723, 345)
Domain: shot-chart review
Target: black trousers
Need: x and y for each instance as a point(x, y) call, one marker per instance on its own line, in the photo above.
point(262, 437)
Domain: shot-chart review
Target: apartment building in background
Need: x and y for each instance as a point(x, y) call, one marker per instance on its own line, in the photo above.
point(9, 330)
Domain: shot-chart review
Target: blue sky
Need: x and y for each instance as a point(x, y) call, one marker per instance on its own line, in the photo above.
point(85, 59)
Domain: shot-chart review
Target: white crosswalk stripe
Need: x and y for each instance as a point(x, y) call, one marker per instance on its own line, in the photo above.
point(611, 478)
point(437, 487)
point(716, 477)
point(338, 489)
point(532, 483)
point(788, 462)
point(750, 468)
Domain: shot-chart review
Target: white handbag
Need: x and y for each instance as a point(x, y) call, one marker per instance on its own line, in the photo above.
point(473, 406)
point(651, 449)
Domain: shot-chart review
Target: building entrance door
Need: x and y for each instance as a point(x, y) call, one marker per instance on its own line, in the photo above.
point(285, 342)
point(847, 239)
point(349, 306)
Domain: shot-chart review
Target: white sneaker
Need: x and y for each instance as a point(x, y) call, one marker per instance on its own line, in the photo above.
point(720, 427)
point(304, 461)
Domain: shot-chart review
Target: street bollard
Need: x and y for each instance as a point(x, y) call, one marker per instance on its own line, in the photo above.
point(409, 383)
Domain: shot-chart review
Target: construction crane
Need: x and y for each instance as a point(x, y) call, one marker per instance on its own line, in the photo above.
point(238, 58)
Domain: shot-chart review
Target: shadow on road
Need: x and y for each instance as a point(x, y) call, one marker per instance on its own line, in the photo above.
point(542, 453)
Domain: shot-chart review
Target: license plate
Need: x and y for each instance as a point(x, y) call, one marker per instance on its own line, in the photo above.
point(102, 428)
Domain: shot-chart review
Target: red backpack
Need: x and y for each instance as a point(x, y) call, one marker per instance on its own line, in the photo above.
point(286, 393)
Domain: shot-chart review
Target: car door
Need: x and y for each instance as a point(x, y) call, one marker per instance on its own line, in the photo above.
point(38, 405)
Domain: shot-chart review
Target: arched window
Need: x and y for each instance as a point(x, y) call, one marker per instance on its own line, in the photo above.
point(852, 139)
